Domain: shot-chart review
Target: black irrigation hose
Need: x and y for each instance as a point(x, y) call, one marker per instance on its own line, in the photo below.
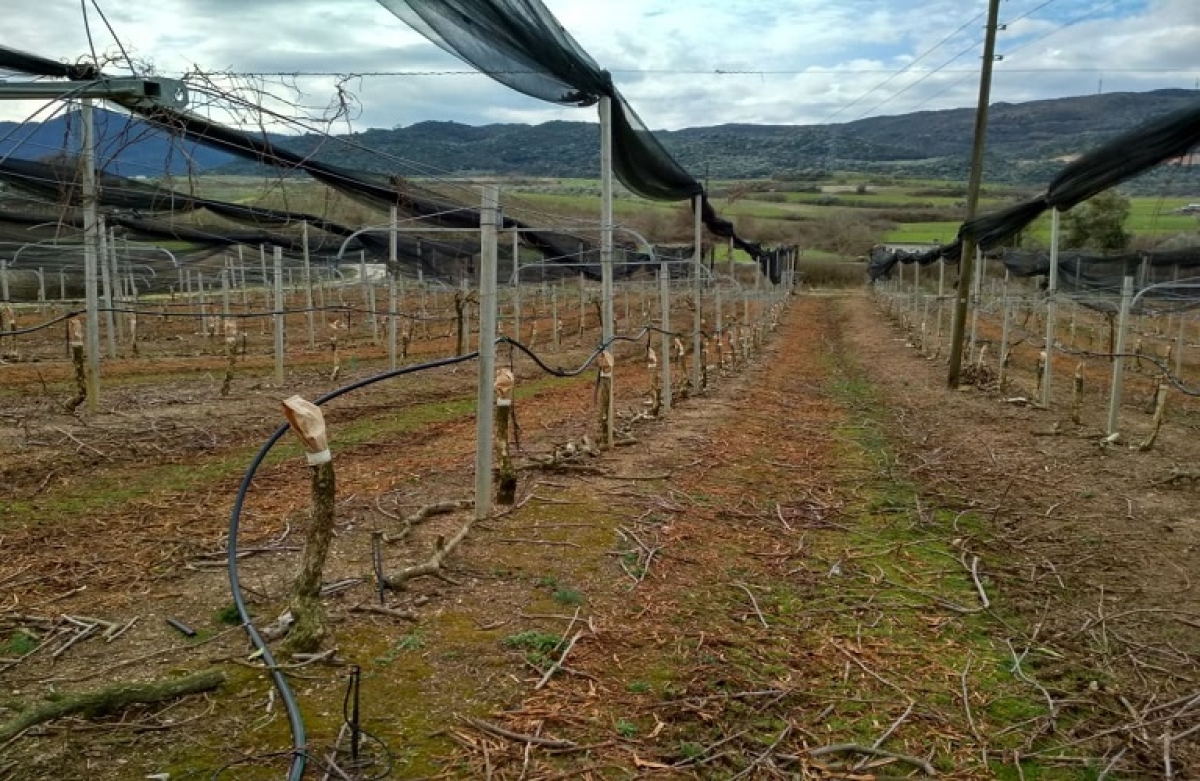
point(295, 720)
point(40, 326)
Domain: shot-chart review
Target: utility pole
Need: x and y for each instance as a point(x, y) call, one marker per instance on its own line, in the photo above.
point(966, 263)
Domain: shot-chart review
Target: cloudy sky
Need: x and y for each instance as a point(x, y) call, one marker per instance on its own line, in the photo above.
point(699, 62)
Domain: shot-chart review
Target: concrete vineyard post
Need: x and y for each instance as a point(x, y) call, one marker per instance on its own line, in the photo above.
point(655, 382)
point(1005, 327)
point(606, 221)
point(489, 216)
point(1051, 306)
point(308, 288)
point(115, 301)
point(91, 229)
point(516, 264)
point(393, 314)
point(266, 280)
point(110, 332)
point(554, 316)
point(697, 267)
point(664, 290)
point(1118, 364)
point(976, 295)
point(278, 316)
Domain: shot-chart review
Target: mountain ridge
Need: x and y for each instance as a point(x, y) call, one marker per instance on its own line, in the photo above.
point(1026, 143)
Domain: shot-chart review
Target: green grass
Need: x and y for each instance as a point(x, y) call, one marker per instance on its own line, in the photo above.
point(1149, 217)
point(19, 643)
point(891, 552)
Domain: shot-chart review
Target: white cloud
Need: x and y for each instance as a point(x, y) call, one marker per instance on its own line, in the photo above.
point(817, 59)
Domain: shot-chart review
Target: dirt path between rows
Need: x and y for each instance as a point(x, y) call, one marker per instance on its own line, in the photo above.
point(829, 566)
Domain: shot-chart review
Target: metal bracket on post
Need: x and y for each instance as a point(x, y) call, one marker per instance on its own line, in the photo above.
point(128, 92)
point(171, 93)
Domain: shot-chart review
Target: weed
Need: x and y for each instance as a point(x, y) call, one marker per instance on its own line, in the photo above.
point(413, 641)
point(542, 642)
point(690, 752)
point(626, 729)
point(638, 687)
point(19, 643)
point(228, 615)
point(568, 596)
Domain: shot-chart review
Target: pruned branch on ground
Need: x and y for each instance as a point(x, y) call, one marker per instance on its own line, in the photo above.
point(110, 700)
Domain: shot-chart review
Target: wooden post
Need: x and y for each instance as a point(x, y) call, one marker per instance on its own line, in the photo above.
point(308, 613)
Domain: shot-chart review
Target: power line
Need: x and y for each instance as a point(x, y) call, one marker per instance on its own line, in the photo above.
point(808, 72)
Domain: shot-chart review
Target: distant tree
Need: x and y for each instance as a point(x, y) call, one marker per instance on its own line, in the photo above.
point(1099, 223)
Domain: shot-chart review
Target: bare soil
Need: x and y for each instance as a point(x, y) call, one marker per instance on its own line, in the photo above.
point(825, 566)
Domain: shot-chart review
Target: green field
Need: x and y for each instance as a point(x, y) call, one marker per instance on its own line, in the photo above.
point(841, 216)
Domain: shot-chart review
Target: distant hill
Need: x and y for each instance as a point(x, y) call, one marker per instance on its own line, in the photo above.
point(1027, 142)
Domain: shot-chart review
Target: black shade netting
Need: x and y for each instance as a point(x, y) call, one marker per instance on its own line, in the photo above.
point(411, 200)
point(522, 45)
point(1116, 161)
point(1170, 279)
point(59, 182)
point(883, 259)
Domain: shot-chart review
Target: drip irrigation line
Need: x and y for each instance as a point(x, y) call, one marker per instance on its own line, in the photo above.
point(295, 719)
point(42, 326)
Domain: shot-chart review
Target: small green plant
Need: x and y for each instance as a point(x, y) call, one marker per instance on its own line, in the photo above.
point(626, 729)
point(228, 615)
point(537, 645)
point(546, 581)
point(413, 641)
point(638, 687)
point(567, 596)
point(690, 752)
point(543, 642)
point(20, 643)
